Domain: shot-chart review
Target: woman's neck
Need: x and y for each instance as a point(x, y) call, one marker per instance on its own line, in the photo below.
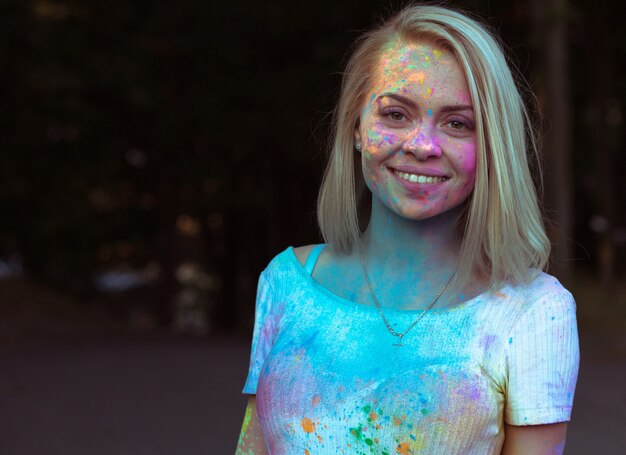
point(391, 239)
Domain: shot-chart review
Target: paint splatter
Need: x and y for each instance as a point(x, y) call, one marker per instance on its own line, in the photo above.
point(403, 448)
point(307, 425)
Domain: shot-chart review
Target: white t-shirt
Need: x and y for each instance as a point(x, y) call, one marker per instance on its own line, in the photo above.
point(328, 379)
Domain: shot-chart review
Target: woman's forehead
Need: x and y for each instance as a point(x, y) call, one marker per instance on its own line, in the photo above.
point(421, 67)
point(414, 55)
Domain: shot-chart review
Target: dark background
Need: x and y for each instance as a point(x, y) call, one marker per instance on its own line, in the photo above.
point(156, 155)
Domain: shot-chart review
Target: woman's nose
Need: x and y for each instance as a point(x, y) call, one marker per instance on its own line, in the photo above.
point(421, 145)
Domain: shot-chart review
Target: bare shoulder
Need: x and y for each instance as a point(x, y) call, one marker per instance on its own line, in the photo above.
point(302, 252)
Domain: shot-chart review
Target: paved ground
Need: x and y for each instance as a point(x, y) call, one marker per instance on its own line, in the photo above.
point(181, 397)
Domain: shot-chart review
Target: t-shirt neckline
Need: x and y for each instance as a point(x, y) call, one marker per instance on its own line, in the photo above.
point(321, 288)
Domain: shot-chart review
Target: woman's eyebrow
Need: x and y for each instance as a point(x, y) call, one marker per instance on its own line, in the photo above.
point(413, 105)
point(403, 99)
point(457, 107)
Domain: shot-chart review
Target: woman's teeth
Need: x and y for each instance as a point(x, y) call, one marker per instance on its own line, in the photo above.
point(415, 178)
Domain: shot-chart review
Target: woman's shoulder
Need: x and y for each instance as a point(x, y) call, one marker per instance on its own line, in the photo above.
point(541, 284)
point(541, 291)
point(292, 259)
point(303, 252)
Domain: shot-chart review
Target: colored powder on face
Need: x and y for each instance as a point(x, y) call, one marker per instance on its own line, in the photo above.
point(389, 138)
point(373, 136)
point(417, 78)
point(307, 425)
point(430, 112)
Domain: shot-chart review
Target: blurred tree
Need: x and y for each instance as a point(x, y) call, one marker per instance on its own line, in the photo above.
point(178, 132)
point(550, 27)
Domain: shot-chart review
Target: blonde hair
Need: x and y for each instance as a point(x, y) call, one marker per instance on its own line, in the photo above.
point(503, 233)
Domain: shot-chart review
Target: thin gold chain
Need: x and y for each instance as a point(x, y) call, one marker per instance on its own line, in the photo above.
point(380, 310)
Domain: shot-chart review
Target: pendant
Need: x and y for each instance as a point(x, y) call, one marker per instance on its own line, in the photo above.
point(399, 343)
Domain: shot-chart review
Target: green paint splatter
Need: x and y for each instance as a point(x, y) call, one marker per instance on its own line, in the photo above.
point(357, 432)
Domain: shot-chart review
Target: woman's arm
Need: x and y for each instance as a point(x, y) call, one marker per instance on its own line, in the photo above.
point(535, 439)
point(251, 439)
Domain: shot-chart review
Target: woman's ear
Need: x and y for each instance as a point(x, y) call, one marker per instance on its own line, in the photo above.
point(357, 139)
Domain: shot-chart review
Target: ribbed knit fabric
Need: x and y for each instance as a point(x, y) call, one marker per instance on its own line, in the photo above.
point(329, 381)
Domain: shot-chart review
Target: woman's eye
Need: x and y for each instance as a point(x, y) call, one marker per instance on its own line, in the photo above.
point(398, 116)
point(458, 125)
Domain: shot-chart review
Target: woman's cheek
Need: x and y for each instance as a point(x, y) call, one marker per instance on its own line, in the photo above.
point(468, 161)
point(380, 140)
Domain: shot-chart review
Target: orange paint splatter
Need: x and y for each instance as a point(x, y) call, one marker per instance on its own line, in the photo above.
point(319, 438)
point(396, 421)
point(403, 448)
point(501, 295)
point(417, 77)
point(306, 452)
point(307, 425)
point(373, 416)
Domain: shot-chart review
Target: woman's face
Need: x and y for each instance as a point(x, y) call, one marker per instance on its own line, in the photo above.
point(417, 132)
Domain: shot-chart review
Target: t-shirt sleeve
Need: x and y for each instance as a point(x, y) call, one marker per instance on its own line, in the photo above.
point(542, 358)
point(265, 329)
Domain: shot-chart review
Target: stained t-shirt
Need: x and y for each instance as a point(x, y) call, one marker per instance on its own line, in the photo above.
point(328, 379)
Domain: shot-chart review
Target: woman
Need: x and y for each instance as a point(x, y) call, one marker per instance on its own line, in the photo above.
point(430, 328)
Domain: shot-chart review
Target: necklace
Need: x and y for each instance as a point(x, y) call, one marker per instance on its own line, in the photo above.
point(380, 310)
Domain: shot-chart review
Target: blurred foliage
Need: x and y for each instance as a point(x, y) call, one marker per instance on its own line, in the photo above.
point(137, 133)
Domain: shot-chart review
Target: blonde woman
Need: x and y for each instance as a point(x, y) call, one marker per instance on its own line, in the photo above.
point(430, 327)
